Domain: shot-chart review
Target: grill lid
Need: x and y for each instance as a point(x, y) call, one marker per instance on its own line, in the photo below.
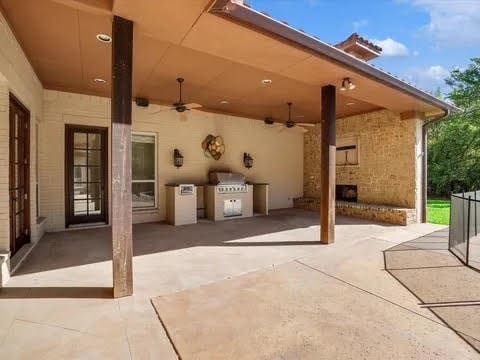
point(226, 178)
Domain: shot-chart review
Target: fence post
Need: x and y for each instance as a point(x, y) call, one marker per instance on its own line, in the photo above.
point(463, 216)
point(467, 253)
point(475, 208)
point(450, 222)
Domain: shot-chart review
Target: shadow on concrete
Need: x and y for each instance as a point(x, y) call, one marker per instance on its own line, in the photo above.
point(474, 252)
point(50, 292)
point(87, 246)
point(440, 282)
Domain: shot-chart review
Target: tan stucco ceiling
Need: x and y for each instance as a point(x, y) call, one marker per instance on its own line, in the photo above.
point(220, 59)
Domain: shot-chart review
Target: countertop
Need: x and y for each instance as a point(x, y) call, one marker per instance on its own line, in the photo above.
point(206, 184)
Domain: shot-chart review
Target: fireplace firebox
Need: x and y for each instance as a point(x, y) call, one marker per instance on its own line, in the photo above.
point(346, 193)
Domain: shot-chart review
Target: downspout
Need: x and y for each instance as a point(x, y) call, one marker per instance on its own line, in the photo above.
point(425, 127)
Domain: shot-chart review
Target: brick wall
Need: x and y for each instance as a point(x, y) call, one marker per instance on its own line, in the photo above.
point(18, 77)
point(387, 170)
point(278, 156)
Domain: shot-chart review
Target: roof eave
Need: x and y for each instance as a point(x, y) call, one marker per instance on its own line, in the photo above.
point(234, 10)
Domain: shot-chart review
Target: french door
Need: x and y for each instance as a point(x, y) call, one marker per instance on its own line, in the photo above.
point(86, 174)
point(19, 174)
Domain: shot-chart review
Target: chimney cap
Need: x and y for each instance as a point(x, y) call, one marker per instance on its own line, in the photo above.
point(359, 47)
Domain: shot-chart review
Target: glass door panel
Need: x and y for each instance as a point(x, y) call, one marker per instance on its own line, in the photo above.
point(19, 181)
point(86, 174)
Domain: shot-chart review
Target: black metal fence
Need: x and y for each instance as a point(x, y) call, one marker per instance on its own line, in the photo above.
point(464, 236)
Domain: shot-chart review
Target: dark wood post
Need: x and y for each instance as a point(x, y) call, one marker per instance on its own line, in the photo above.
point(328, 164)
point(122, 47)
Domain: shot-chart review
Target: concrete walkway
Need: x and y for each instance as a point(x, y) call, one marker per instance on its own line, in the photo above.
point(57, 305)
point(440, 282)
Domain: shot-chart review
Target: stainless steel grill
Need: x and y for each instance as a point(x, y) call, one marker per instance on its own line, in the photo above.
point(228, 183)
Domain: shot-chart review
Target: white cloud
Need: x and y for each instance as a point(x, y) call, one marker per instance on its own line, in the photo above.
point(452, 23)
point(391, 47)
point(415, 53)
point(428, 78)
point(436, 72)
point(359, 23)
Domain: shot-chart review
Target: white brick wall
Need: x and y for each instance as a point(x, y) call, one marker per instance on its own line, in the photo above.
point(19, 78)
point(278, 155)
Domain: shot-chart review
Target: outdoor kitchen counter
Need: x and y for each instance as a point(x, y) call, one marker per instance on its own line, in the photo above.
point(260, 198)
point(176, 185)
point(181, 205)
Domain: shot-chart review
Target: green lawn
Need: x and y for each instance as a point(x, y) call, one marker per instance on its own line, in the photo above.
point(438, 211)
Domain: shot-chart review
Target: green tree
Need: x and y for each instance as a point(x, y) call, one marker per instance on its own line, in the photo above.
point(454, 143)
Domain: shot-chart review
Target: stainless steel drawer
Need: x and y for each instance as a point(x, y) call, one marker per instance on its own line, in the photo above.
point(232, 207)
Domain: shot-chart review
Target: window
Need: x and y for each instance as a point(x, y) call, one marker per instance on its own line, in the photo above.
point(347, 151)
point(143, 171)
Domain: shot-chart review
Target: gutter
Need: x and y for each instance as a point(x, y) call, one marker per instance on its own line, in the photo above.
point(237, 11)
point(425, 127)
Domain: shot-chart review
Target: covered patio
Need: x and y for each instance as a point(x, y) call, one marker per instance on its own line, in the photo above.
point(240, 68)
point(207, 280)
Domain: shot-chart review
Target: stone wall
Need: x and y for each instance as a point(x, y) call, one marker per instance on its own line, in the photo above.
point(379, 213)
point(386, 173)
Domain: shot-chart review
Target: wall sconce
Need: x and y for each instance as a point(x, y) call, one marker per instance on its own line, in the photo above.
point(347, 84)
point(177, 158)
point(247, 160)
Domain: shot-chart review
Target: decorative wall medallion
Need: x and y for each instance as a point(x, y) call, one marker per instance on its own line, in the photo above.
point(213, 147)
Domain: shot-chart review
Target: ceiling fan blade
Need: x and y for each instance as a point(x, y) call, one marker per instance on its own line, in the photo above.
point(272, 126)
point(193, 106)
point(161, 110)
point(306, 124)
point(300, 129)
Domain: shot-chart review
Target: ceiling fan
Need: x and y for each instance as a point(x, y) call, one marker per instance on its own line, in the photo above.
point(289, 124)
point(180, 106)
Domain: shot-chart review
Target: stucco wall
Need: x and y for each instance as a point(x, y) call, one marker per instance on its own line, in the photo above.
point(278, 156)
point(17, 77)
point(386, 173)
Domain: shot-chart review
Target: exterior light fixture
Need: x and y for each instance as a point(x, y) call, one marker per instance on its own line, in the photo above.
point(177, 158)
point(347, 84)
point(266, 81)
point(247, 160)
point(100, 81)
point(104, 38)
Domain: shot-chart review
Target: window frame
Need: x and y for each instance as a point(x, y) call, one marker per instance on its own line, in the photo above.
point(348, 141)
point(155, 187)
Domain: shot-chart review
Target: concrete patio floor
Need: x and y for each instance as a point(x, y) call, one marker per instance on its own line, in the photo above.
point(57, 305)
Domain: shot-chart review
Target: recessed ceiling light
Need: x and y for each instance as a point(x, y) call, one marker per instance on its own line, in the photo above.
point(104, 38)
point(350, 103)
point(224, 102)
point(266, 81)
point(100, 81)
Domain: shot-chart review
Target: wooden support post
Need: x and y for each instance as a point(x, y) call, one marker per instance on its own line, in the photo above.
point(328, 164)
point(122, 47)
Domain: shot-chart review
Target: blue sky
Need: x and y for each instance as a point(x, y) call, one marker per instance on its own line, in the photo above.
point(422, 39)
